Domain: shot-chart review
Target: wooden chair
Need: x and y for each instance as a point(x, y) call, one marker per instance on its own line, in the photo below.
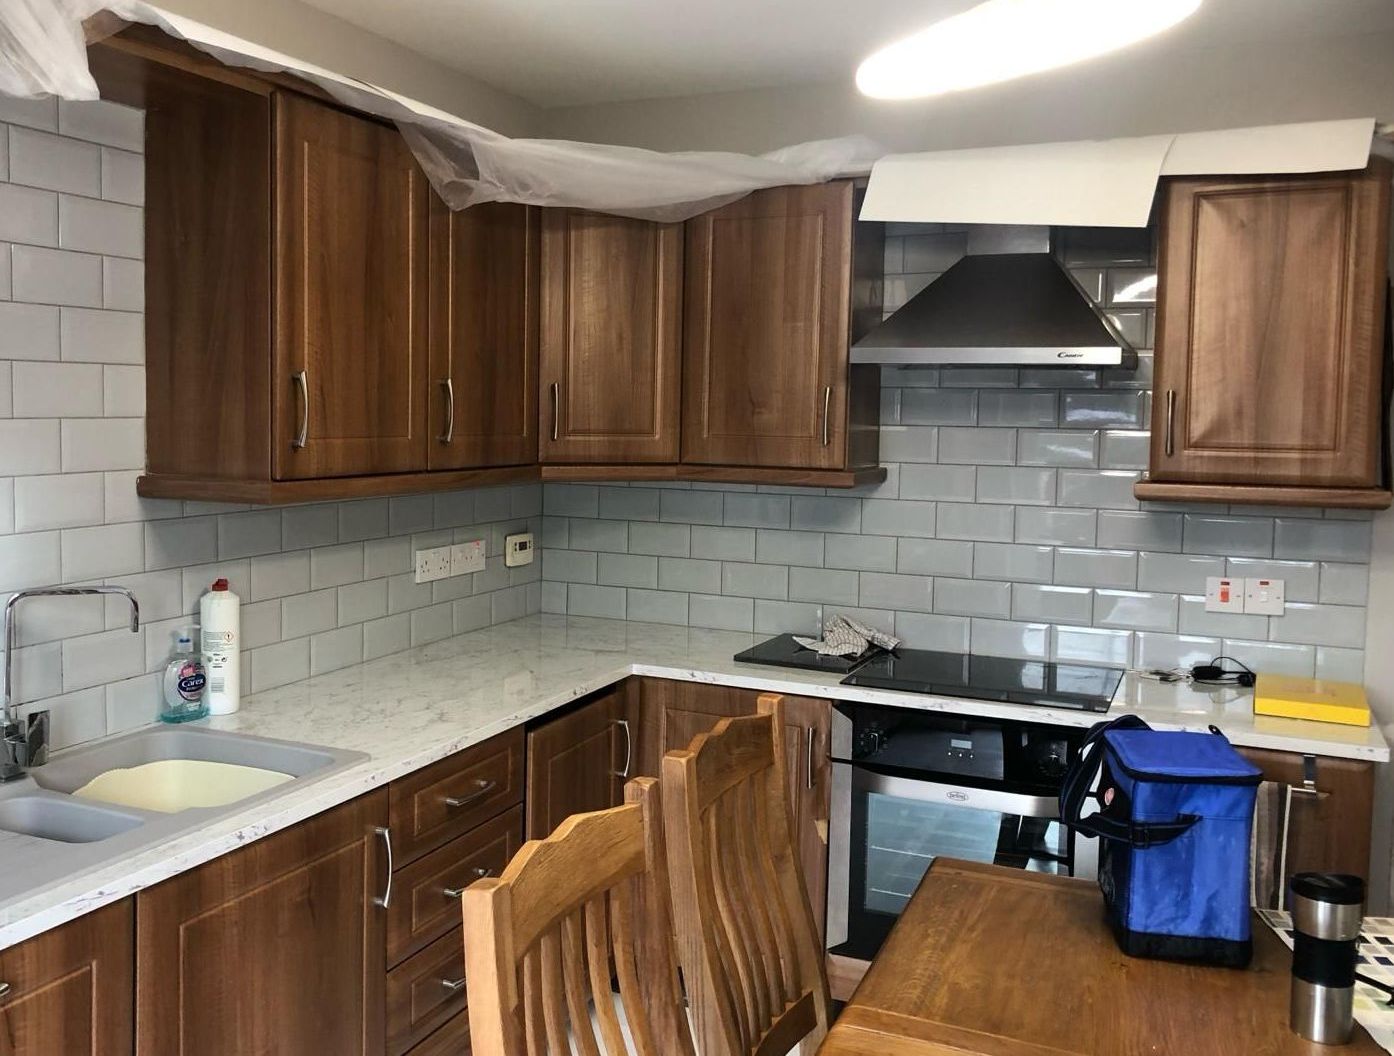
point(749, 950)
point(542, 940)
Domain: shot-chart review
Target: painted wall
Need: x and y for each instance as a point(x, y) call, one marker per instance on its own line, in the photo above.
point(323, 586)
point(1136, 92)
point(305, 32)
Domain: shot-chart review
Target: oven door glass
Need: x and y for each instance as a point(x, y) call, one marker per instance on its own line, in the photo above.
point(899, 825)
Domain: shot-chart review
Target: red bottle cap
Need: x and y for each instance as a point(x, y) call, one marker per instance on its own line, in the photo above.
point(220, 584)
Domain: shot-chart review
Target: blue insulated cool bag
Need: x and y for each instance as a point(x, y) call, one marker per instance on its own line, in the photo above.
point(1176, 810)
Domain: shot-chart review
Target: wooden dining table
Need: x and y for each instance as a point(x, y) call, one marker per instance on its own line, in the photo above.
point(999, 962)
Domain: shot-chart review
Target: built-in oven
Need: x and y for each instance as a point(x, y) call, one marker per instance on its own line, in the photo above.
point(911, 785)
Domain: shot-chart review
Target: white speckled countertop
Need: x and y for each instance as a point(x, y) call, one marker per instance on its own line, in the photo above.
point(411, 709)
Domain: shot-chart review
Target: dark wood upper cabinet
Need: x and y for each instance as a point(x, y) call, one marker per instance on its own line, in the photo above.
point(484, 301)
point(774, 292)
point(71, 990)
point(350, 263)
point(1270, 330)
point(580, 761)
point(611, 306)
point(277, 947)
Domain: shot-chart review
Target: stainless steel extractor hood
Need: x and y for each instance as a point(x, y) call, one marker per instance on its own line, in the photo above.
point(999, 309)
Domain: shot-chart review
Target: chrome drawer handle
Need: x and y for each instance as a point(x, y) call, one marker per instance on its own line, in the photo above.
point(556, 410)
point(448, 437)
point(1171, 422)
point(455, 892)
point(485, 787)
point(5, 989)
point(453, 986)
point(628, 749)
point(301, 379)
point(827, 401)
point(808, 757)
point(386, 900)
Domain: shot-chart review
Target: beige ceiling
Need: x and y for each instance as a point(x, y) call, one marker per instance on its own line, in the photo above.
point(570, 52)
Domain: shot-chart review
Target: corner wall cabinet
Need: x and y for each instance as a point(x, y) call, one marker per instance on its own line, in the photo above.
point(1270, 351)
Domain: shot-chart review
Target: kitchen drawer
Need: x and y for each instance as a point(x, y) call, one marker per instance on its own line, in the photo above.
point(418, 999)
point(421, 911)
point(453, 1039)
point(447, 799)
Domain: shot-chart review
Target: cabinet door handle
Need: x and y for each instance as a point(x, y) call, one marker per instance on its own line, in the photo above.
point(827, 404)
point(455, 892)
point(810, 736)
point(556, 411)
point(453, 986)
point(483, 789)
point(5, 989)
point(301, 379)
point(1171, 423)
point(1308, 787)
point(628, 748)
point(448, 384)
point(386, 899)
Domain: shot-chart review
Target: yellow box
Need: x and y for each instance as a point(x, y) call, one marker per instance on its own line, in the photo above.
point(1318, 699)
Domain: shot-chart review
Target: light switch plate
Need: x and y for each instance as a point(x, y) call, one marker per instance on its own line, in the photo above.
point(432, 564)
point(517, 549)
point(467, 557)
point(1264, 597)
point(1223, 594)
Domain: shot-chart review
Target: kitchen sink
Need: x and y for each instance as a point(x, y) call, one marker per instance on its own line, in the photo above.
point(63, 820)
point(94, 804)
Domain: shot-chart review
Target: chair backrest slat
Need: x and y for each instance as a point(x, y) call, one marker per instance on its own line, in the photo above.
point(750, 954)
point(542, 941)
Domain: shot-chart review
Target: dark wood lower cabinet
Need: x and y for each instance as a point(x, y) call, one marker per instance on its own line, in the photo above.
point(69, 990)
point(1328, 830)
point(274, 948)
point(580, 761)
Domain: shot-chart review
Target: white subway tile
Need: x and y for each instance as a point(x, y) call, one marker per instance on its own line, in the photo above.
point(1230, 536)
point(1094, 410)
point(195, 581)
point(28, 215)
point(494, 504)
point(977, 446)
point(661, 540)
point(691, 575)
point(90, 226)
point(123, 176)
point(1134, 610)
point(405, 594)
point(721, 613)
point(364, 519)
point(1140, 530)
point(1018, 486)
point(1092, 645)
point(554, 598)
point(1177, 573)
point(103, 443)
point(883, 590)
point(336, 649)
point(55, 276)
point(50, 619)
point(4, 267)
point(921, 630)
point(160, 594)
point(656, 606)
point(1125, 449)
point(261, 623)
point(1059, 527)
point(185, 541)
point(901, 443)
point(626, 504)
point(931, 557)
point(385, 557)
point(964, 520)
point(1057, 447)
point(280, 664)
point(1343, 665)
point(1300, 578)
point(774, 547)
point(101, 121)
point(1014, 562)
point(360, 602)
point(37, 670)
point(751, 510)
point(31, 113)
point(1321, 540)
point(123, 504)
point(830, 587)
point(1025, 641)
point(1166, 652)
point(898, 517)
point(739, 579)
point(123, 284)
point(870, 553)
point(249, 534)
point(570, 500)
point(944, 483)
point(627, 570)
point(57, 390)
point(470, 614)
point(1195, 620)
point(41, 159)
point(1342, 584)
point(826, 513)
point(333, 566)
point(939, 406)
point(6, 389)
point(123, 392)
point(723, 544)
point(613, 536)
point(1338, 625)
point(385, 636)
point(1273, 657)
point(569, 566)
point(96, 553)
point(95, 659)
point(689, 507)
point(7, 505)
point(585, 599)
point(1031, 602)
point(99, 336)
point(411, 513)
point(1009, 407)
point(972, 597)
point(1096, 568)
point(132, 703)
point(1105, 489)
point(779, 617)
point(74, 718)
point(29, 446)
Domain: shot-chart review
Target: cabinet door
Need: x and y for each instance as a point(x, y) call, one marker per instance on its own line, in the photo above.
point(808, 726)
point(70, 990)
point(611, 306)
point(672, 713)
point(1269, 329)
point(579, 762)
point(277, 947)
point(1327, 832)
point(766, 333)
point(484, 279)
point(350, 263)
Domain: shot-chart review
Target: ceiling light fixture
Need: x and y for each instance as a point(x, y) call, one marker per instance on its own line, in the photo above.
point(1002, 39)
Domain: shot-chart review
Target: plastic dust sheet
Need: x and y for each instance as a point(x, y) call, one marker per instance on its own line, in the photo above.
point(43, 52)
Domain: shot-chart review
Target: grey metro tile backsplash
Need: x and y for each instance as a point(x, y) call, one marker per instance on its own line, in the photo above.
point(1007, 522)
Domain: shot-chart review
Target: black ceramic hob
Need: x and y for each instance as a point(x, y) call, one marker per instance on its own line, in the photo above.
point(785, 652)
point(1046, 683)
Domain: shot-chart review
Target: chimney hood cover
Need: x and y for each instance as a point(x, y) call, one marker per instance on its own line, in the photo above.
point(1006, 309)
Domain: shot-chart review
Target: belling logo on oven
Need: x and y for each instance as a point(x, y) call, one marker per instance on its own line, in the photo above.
point(957, 796)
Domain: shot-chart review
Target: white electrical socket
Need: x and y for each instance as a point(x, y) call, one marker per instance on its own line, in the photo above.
point(1223, 594)
point(517, 549)
point(1264, 597)
point(432, 564)
point(467, 557)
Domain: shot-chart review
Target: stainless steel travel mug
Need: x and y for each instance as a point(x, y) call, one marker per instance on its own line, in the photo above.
point(1326, 913)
